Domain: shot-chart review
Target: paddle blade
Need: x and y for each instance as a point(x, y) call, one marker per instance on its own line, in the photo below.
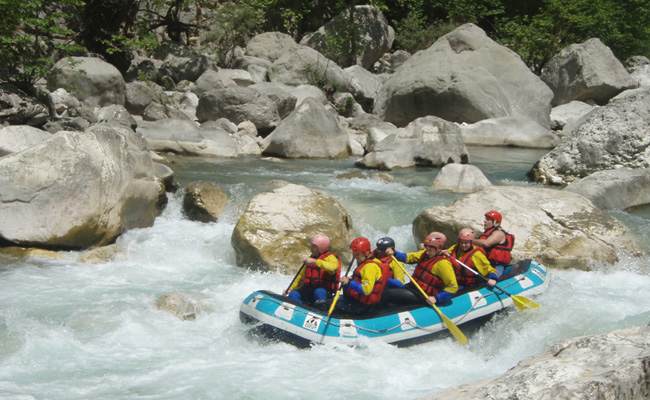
point(336, 298)
point(523, 303)
point(451, 326)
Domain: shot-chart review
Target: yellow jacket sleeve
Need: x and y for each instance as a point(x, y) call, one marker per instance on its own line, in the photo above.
point(445, 271)
point(412, 258)
point(329, 264)
point(370, 273)
point(297, 283)
point(398, 269)
point(483, 265)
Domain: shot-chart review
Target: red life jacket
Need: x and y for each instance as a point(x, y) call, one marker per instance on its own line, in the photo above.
point(463, 276)
point(386, 260)
point(377, 290)
point(319, 278)
point(499, 253)
point(430, 283)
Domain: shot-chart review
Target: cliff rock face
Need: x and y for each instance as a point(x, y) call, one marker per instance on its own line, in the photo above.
point(613, 365)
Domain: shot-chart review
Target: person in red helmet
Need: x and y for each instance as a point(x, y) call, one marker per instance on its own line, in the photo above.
point(318, 281)
point(496, 241)
point(434, 272)
point(367, 283)
point(473, 257)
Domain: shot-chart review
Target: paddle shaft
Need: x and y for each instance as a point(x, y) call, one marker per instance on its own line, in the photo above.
point(296, 277)
point(482, 277)
point(336, 299)
point(455, 331)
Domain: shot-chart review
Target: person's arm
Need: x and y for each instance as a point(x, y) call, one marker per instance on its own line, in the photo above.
point(483, 266)
point(409, 258)
point(398, 270)
point(495, 238)
point(297, 284)
point(445, 271)
point(329, 264)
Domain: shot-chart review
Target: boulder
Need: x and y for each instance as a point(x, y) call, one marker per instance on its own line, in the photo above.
point(193, 68)
point(562, 229)
point(63, 100)
point(611, 365)
point(365, 83)
point(586, 71)
point(238, 104)
point(565, 114)
point(427, 141)
point(609, 137)
point(16, 138)
point(375, 36)
point(212, 80)
point(280, 94)
point(508, 131)
point(310, 131)
point(95, 82)
point(116, 114)
point(615, 189)
point(100, 255)
point(77, 190)
point(185, 306)
point(17, 108)
point(185, 137)
point(138, 96)
point(461, 178)
point(639, 69)
point(464, 77)
point(204, 201)
point(275, 230)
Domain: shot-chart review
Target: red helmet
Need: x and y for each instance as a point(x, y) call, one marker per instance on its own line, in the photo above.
point(322, 242)
point(466, 234)
point(496, 216)
point(360, 245)
point(436, 239)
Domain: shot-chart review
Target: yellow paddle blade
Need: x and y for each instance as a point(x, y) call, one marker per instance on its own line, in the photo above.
point(336, 298)
point(523, 303)
point(451, 326)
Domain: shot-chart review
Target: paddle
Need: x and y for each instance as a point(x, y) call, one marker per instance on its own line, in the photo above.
point(296, 277)
point(448, 323)
point(521, 302)
point(336, 299)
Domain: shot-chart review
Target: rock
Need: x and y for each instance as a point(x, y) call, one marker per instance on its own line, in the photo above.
point(565, 114)
point(365, 83)
point(310, 131)
point(17, 108)
point(157, 112)
point(615, 189)
point(280, 94)
point(464, 77)
point(375, 35)
point(138, 97)
point(461, 178)
point(212, 80)
point(609, 137)
point(204, 201)
point(16, 138)
point(193, 68)
point(63, 100)
point(639, 69)
point(612, 365)
point(100, 255)
point(77, 190)
point(275, 230)
point(116, 114)
point(560, 228)
point(427, 141)
point(586, 71)
point(185, 306)
point(96, 82)
point(166, 176)
point(508, 131)
point(185, 137)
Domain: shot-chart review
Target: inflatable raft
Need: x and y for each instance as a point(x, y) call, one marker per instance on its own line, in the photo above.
point(278, 317)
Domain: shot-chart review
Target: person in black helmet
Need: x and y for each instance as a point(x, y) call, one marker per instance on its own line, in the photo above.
point(396, 267)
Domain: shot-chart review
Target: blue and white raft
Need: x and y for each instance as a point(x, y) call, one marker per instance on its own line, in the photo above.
point(280, 318)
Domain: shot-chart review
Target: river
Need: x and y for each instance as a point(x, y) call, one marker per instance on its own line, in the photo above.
point(70, 330)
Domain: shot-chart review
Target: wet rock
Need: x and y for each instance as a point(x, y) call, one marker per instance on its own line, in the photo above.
point(185, 306)
point(204, 201)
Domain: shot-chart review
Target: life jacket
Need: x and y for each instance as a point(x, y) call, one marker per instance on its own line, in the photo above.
point(386, 260)
point(377, 290)
point(499, 253)
point(430, 283)
point(463, 276)
point(319, 278)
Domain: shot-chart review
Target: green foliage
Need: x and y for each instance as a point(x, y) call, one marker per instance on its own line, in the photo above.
point(414, 33)
point(235, 24)
point(30, 33)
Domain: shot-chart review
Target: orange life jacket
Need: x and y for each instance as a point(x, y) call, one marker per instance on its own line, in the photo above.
point(319, 278)
point(377, 290)
point(430, 283)
point(499, 253)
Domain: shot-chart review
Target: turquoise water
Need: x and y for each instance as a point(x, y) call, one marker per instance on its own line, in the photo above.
point(70, 330)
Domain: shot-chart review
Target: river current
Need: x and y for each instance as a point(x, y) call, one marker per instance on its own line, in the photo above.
point(70, 330)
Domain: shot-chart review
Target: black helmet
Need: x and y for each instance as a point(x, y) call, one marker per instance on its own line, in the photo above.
point(384, 243)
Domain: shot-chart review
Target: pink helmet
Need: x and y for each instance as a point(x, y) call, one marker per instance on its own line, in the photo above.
point(360, 245)
point(466, 234)
point(436, 239)
point(322, 242)
point(496, 216)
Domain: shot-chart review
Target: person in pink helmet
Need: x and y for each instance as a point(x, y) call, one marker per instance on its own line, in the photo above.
point(318, 280)
point(434, 272)
point(496, 242)
point(473, 257)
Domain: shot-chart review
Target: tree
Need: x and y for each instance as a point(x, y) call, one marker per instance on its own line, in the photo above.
point(31, 32)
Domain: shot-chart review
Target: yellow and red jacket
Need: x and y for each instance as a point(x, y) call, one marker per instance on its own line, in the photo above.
point(396, 270)
point(324, 273)
point(372, 276)
point(475, 259)
point(499, 253)
point(434, 275)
